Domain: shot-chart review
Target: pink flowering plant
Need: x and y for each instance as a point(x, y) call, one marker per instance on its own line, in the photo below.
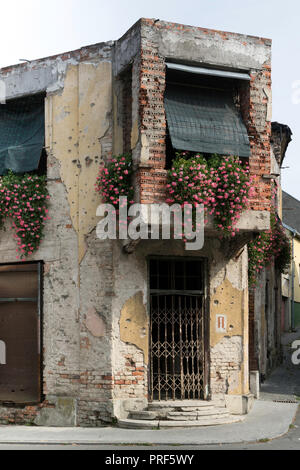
point(269, 246)
point(114, 180)
point(24, 198)
point(222, 184)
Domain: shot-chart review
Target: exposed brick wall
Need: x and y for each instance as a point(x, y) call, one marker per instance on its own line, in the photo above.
point(225, 367)
point(131, 381)
point(152, 178)
point(254, 111)
point(20, 415)
point(253, 100)
point(93, 413)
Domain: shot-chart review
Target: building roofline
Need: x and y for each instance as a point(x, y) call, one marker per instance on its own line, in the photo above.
point(181, 27)
point(63, 55)
point(159, 24)
point(287, 227)
point(289, 195)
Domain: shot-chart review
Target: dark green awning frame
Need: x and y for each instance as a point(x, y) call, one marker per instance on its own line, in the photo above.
point(22, 134)
point(205, 120)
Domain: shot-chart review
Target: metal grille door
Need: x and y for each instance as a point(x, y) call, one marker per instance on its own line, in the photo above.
point(177, 347)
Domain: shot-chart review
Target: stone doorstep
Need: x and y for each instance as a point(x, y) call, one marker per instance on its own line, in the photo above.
point(198, 414)
point(184, 404)
point(162, 412)
point(146, 415)
point(155, 425)
point(193, 409)
point(180, 415)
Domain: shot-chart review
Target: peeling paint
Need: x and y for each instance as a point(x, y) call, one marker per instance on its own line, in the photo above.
point(74, 132)
point(230, 302)
point(95, 323)
point(134, 324)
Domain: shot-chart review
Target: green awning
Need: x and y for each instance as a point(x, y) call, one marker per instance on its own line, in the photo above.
point(22, 134)
point(205, 120)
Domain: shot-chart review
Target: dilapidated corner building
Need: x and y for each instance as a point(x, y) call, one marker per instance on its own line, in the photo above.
point(113, 331)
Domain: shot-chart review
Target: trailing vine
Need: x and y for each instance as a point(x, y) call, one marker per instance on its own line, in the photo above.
point(114, 180)
point(268, 246)
point(24, 198)
point(221, 184)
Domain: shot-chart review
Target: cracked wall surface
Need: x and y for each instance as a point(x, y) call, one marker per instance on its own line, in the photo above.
point(77, 269)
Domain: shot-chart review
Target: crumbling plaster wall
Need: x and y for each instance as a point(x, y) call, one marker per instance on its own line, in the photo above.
point(267, 320)
point(79, 139)
point(228, 295)
point(229, 349)
point(78, 268)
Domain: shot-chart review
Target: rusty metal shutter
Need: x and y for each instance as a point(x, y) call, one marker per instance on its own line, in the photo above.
point(205, 120)
point(20, 372)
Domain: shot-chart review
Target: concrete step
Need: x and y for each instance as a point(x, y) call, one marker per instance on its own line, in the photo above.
point(146, 415)
point(179, 415)
point(162, 413)
point(185, 405)
point(197, 415)
point(191, 409)
point(156, 424)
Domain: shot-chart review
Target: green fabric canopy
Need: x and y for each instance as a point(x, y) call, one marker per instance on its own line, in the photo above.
point(205, 120)
point(22, 134)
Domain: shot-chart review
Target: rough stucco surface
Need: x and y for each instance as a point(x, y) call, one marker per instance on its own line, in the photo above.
point(133, 324)
point(227, 301)
point(80, 119)
point(77, 269)
point(95, 324)
point(267, 326)
point(226, 361)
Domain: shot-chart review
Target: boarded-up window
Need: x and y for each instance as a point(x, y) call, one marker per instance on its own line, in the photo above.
point(20, 374)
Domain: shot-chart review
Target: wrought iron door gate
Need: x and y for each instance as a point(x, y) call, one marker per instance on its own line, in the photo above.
point(177, 369)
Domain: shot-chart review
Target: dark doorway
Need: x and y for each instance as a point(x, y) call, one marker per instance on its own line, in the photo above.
point(178, 326)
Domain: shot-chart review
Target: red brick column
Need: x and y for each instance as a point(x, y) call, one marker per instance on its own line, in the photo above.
point(254, 104)
point(152, 177)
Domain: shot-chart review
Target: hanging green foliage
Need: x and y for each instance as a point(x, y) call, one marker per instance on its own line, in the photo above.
point(24, 198)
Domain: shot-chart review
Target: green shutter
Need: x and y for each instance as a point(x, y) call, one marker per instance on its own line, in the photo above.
point(205, 120)
point(22, 134)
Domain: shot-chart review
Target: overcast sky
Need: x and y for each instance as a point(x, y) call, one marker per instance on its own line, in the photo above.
point(37, 28)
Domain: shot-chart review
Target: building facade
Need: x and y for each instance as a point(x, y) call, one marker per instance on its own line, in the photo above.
point(291, 279)
point(106, 311)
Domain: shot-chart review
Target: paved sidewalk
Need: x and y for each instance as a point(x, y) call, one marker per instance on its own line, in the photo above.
point(270, 418)
point(267, 420)
point(284, 383)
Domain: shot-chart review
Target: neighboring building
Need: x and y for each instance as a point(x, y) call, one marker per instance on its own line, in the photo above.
point(107, 318)
point(291, 280)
